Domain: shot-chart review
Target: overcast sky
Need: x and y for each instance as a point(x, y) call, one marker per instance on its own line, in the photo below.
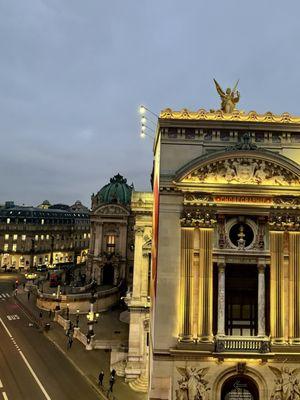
point(73, 73)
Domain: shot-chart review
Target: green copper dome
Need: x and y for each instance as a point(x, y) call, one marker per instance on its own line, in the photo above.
point(117, 191)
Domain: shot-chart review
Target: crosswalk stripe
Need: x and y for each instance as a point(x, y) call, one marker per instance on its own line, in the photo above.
point(12, 317)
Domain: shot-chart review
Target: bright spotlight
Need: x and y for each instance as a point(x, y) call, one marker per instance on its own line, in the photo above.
point(142, 109)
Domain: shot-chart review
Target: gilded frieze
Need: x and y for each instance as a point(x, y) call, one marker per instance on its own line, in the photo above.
point(236, 115)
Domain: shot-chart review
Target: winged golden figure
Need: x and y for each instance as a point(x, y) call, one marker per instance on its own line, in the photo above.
point(229, 98)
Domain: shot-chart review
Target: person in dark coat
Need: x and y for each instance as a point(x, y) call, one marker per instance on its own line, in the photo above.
point(111, 382)
point(100, 378)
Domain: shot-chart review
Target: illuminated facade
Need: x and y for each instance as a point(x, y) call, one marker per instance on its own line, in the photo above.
point(110, 257)
point(44, 235)
point(138, 299)
point(225, 288)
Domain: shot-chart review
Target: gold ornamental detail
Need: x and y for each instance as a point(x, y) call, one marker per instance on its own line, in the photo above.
point(236, 115)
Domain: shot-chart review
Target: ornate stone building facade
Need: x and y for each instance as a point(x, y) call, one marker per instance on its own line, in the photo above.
point(138, 300)
point(110, 258)
point(225, 282)
point(43, 235)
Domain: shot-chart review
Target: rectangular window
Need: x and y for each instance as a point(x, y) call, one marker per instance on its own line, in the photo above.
point(8, 221)
point(15, 237)
point(47, 237)
point(6, 236)
point(14, 247)
point(6, 247)
point(36, 237)
point(110, 244)
point(84, 236)
point(23, 237)
point(42, 237)
point(42, 221)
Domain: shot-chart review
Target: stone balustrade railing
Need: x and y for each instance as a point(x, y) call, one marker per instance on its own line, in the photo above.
point(242, 344)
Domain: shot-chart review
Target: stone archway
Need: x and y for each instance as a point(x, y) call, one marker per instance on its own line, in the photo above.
point(255, 379)
point(239, 387)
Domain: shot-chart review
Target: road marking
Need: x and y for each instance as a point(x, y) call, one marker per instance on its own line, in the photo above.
point(28, 366)
point(4, 396)
point(12, 317)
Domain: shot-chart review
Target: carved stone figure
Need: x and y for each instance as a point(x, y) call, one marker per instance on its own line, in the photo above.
point(243, 171)
point(229, 98)
point(192, 385)
point(287, 386)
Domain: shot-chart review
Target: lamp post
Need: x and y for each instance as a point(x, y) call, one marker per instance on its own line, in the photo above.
point(77, 318)
point(32, 253)
point(52, 248)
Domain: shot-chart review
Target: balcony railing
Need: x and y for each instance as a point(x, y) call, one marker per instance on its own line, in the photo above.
point(242, 344)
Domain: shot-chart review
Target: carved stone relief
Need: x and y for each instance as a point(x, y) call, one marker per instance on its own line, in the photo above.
point(243, 171)
point(192, 385)
point(286, 383)
point(112, 210)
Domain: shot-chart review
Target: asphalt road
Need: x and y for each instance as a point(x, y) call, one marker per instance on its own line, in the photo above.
point(31, 367)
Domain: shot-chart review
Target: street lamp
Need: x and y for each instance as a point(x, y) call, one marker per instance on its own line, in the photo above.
point(77, 318)
point(92, 316)
point(143, 110)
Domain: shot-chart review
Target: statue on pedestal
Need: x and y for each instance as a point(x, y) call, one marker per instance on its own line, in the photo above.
point(229, 98)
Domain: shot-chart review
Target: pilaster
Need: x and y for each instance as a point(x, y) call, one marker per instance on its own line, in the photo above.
point(205, 285)
point(186, 282)
point(294, 295)
point(277, 287)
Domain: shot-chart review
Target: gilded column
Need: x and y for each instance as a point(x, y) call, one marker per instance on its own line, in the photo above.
point(205, 285)
point(261, 318)
point(186, 282)
point(294, 287)
point(221, 298)
point(277, 286)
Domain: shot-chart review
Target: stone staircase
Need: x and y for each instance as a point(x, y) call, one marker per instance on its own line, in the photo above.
point(120, 367)
point(140, 384)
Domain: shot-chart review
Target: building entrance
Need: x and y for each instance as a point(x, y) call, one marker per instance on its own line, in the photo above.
point(108, 274)
point(239, 387)
point(241, 300)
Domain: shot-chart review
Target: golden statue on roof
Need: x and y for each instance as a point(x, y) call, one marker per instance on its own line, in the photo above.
point(229, 98)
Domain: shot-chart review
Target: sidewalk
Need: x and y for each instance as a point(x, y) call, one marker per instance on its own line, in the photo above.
point(88, 363)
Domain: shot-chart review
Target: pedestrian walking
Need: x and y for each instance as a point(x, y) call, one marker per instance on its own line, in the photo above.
point(113, 372)
point(28, 295)
point(111, 383)
point(100, 378)
point(70, 342)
